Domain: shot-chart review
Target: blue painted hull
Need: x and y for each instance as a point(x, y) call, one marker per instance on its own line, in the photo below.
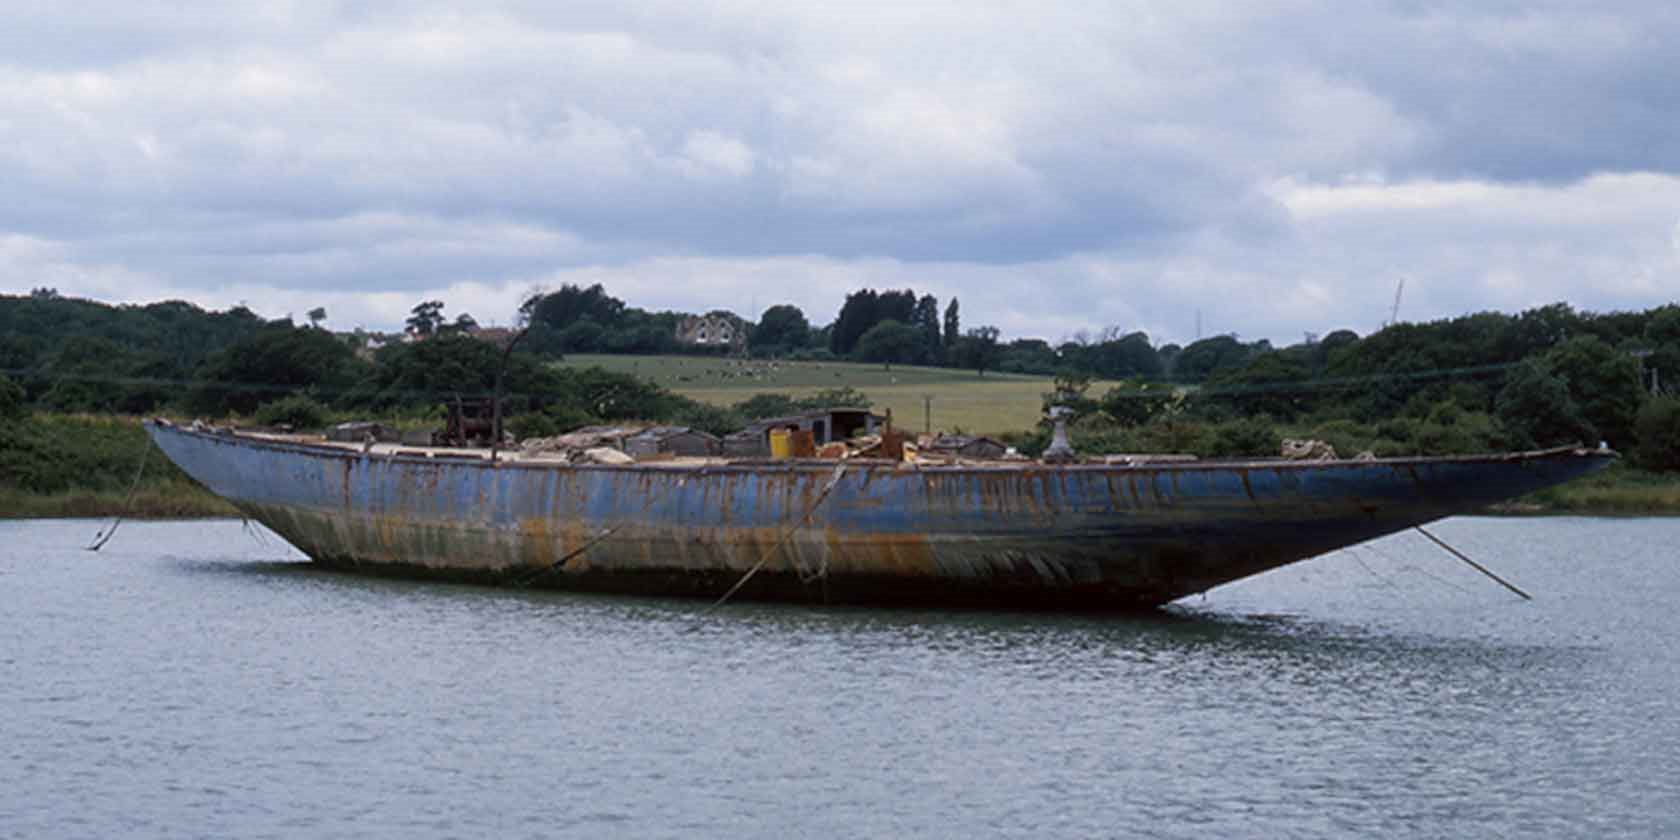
point(1086, 536)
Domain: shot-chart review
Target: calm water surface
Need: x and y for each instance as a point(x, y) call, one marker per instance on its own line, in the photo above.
point(196, 679)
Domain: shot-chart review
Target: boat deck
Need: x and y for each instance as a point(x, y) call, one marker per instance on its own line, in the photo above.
point(515, 455)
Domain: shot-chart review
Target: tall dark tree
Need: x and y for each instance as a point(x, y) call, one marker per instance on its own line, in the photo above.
point(927, 320)
point(425, 318)
point(857, 315)
point(897, 306)
point(953, 326)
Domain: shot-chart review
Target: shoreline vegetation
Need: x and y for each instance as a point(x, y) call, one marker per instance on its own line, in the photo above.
point(83, 466)
point(74, 373)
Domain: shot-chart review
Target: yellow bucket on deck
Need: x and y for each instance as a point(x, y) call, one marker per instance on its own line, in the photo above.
point(781, 444)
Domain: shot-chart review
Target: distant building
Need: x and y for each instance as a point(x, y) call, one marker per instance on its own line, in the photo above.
point(366, 344)
point(499, 336)
point(714, 329)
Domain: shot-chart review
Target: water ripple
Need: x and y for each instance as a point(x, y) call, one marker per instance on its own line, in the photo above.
point(191, 680)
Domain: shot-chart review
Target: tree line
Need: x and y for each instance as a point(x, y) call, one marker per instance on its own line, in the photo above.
point(1541, 376)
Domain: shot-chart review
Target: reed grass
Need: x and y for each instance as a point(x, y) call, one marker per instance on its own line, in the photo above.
point(187, 502)
point(1618, 491)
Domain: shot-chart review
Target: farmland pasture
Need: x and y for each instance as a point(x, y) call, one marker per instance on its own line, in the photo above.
point(962, 399)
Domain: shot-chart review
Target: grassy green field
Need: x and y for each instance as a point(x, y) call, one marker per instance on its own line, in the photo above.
point(962, 399)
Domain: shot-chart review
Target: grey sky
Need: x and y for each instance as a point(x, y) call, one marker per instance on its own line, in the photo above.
point(1057, 166)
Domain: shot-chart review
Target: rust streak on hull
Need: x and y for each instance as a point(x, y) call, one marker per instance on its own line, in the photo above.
point(1083, 537)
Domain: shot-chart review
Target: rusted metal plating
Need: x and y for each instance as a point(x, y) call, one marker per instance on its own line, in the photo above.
point(1058, 536)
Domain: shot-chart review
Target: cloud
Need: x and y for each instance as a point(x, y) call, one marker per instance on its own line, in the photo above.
point(1058, 166)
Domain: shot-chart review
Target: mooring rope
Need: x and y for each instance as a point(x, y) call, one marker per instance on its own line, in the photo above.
point(787, 534)
point(601, 537)
point(1397, 563)
point(1473, 564)
point(100, 539)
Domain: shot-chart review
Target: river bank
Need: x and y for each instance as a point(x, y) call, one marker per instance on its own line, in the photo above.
point(1620, 490)
point(54, 466)
point(78, 465)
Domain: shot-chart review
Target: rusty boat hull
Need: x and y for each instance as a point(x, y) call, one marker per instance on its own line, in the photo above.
point(1032, 535)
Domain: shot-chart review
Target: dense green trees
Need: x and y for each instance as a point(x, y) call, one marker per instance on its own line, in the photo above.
point(446, 367)
point(892, 341)
point(1115, 356)
point(1548, 375)
point(1202, 359)
point(1137, 402)
point(78, 355)
point(866, 309)
point(1658, 430)
point(299, 411)
point(11, 399)
point(781, 329)
point(977, 349)
point(571, 304)
point(272, 362)
point(589, 320)
point(1604, 383)
point(1029, 355)
point(1537, 410)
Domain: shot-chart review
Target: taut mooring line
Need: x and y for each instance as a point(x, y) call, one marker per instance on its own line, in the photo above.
point(1473, 564)
point(560, 564)
point(839, 470)
point(99, 540)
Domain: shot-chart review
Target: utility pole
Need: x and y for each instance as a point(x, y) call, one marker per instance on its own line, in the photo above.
point(927, 414)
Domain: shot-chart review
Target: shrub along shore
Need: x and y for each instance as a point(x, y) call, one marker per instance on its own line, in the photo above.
point(85, 466)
